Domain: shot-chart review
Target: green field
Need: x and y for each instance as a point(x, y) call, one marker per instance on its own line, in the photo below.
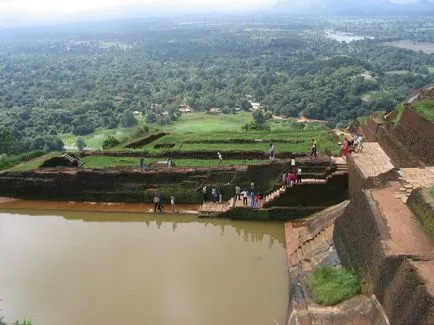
point(205, 132)
point(194, 132)
point(97, 162)
point(95, 140)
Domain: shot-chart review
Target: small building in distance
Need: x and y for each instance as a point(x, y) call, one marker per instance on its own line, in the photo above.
point(215, 110)
point(184, 109)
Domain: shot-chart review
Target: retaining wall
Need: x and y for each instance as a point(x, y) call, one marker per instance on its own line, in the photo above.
point(358, 236)
point(133, 185)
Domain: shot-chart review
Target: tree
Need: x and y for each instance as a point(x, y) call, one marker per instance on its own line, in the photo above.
point(110, 142)
point(80, 143)
point(6, 141)
point(128, 120)
point(258, 117)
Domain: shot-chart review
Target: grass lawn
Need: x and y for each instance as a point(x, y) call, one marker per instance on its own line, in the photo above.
point(426, 108)
point(95, 140)
point(98, 162)
point(34, 163)
point(330, 285)
point(195, 132)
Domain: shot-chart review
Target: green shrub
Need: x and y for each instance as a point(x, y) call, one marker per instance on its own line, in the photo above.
point(25, 322)
point(330, 285)
point(110, 142)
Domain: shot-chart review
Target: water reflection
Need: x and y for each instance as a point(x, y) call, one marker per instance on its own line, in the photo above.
point(249, 231)
point(114, 268)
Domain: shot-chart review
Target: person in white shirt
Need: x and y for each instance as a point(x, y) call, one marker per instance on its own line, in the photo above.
point(299, 172)
point(245, 195)
point(219, 155)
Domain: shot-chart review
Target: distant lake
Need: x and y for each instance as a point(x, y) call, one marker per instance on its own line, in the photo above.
point(345, 37)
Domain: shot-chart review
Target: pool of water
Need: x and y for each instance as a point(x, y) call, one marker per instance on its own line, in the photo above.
point(93, 268)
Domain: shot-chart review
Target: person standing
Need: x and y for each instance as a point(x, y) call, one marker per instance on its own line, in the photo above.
point(204, 194)
point(214, 195)
point(220, 158)
point(284, 177)
point(157, 203)
point(237, 192)
point(271, 151)
point(172, 204)
point(245, 195)
point(299, 172)
point(220, 197)
point(252, 199)
point(314, 145)
point(142, 161)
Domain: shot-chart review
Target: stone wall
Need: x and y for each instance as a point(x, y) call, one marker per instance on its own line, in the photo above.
point(407, 144)
point(334, 191)
point(133, 185)
point(417, 135)
point(422, 206)
point(358, 236)
point(386, 137)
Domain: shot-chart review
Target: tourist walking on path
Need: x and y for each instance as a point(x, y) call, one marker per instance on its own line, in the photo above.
point(172, 204)
point(220, 159)
point(204, 194)
point(142, 161)
point(314, 145)
point(252, 199)
point(245, 195)
point(237, 192)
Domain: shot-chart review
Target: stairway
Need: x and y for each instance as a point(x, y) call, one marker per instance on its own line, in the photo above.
point(212, 209)
point(73, 159)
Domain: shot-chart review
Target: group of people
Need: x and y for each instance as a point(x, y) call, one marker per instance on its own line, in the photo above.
point(158, 203)
point(255, 199)
point(353, 144)
point(216, 195)
point(293, 175)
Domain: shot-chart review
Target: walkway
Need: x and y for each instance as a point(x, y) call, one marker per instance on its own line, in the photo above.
point(372, 161)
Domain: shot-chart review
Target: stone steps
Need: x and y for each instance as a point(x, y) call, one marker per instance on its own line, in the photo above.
point(72, 159)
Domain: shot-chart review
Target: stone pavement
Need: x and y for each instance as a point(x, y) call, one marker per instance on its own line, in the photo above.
point(406, 235)
point(372, 161)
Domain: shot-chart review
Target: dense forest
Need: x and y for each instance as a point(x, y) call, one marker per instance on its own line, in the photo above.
point(75, 78)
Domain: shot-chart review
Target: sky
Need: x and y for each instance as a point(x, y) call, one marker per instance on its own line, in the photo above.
point(76, 6)
point(28, 12)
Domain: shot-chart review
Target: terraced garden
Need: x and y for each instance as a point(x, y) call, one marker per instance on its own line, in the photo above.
point(195, 139)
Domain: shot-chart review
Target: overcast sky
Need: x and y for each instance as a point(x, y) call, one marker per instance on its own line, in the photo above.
point(74, 6)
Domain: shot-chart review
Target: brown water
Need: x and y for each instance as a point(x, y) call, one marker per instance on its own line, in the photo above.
point(88, 268)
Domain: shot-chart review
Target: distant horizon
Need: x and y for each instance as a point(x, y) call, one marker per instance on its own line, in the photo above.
point(49, 12)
